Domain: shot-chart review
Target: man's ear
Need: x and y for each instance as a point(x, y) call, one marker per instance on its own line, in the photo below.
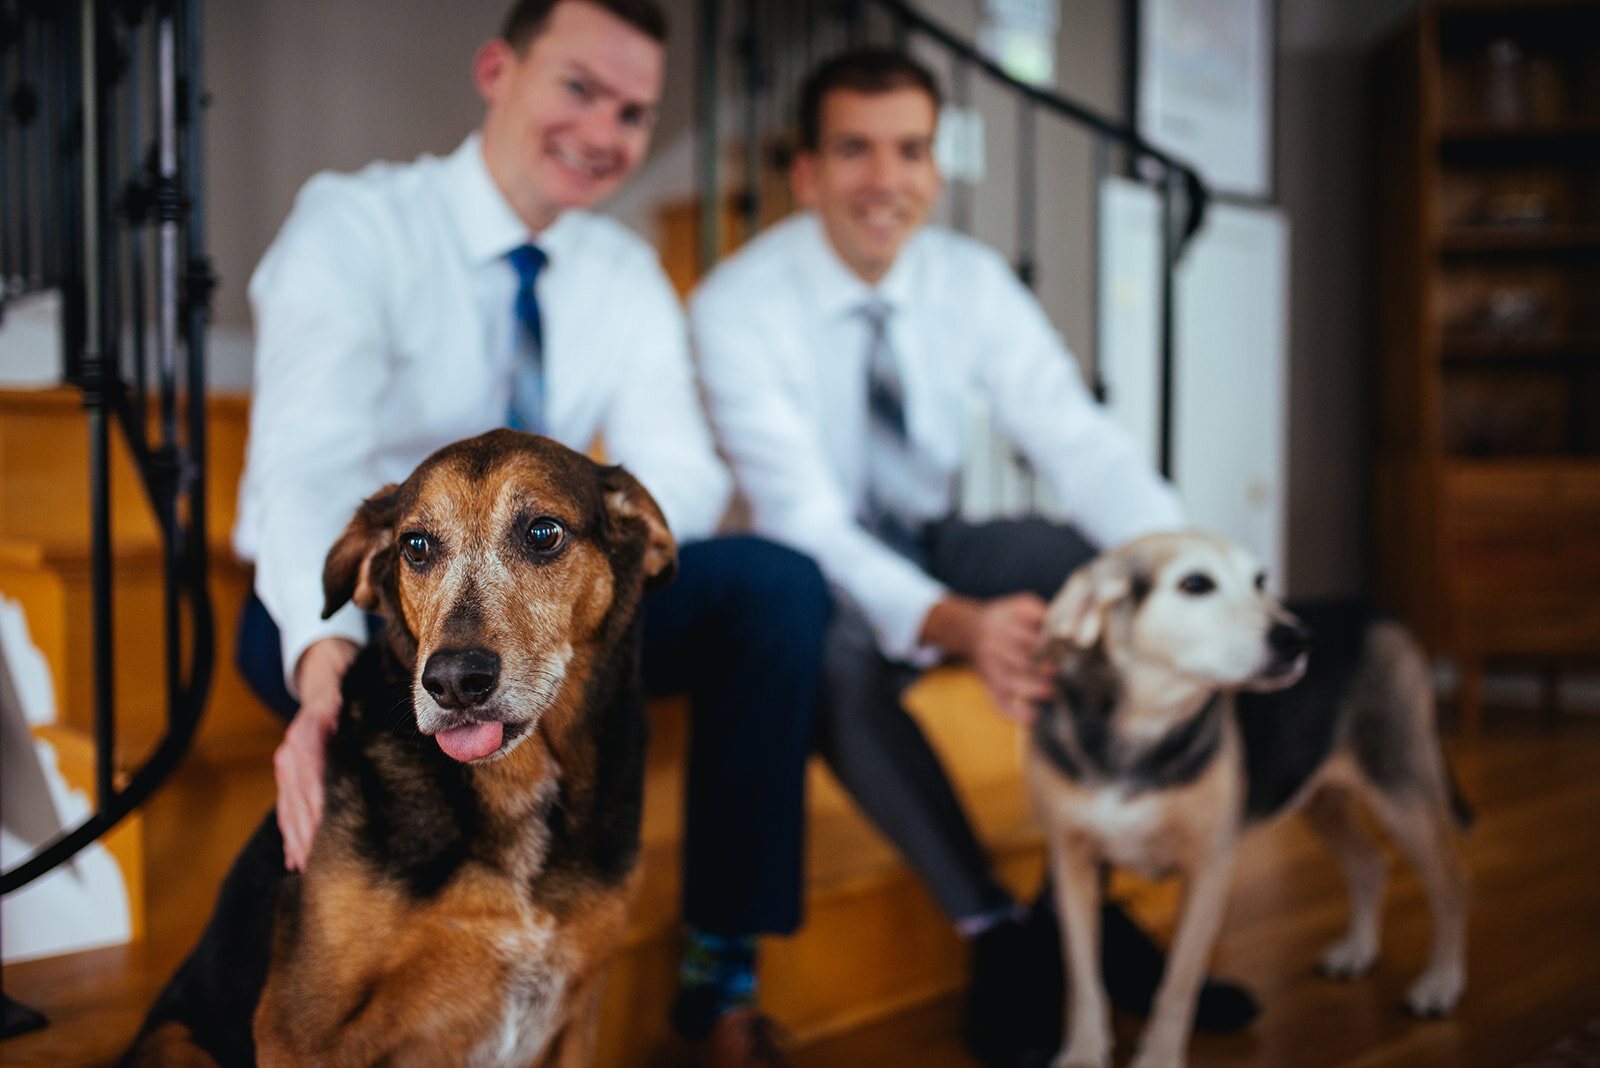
point(1076, 616)
point(493, 58)
point(358, 566)
point(631, 507)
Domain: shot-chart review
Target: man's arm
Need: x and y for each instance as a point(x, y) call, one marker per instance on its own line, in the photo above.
point(1095, 468)
point(999, 637)
point(299, 761)
point(783, 471)
point(320, 363)
point(655, 424)
point(795, 497)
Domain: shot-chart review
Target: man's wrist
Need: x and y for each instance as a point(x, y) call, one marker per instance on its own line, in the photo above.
point(952, 625)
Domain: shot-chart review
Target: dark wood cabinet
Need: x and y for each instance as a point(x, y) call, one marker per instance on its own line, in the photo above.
point(1487, 273)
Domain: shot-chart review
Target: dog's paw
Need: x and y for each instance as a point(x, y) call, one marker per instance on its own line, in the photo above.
point(1084, 1054)
point(1068, 1059)
point(1348, 958)
point(1435, 992)
point(1158, 1059)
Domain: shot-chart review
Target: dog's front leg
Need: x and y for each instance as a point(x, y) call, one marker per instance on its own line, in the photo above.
point(1087, 1022)
point(1165, 1041)
point(574, 1046)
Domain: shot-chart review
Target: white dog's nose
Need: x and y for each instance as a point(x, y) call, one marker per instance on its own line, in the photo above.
point(1289, 640)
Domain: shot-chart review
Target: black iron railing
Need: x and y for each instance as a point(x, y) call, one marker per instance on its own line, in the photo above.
point(773, 44)
point(100, 201)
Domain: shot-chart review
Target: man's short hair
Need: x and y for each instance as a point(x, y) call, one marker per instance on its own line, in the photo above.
point(863, 70)
point(527, 18)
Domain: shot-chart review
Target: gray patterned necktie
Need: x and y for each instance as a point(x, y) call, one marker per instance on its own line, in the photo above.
point(889, 458)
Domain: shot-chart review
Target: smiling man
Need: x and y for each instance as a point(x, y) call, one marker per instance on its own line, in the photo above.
point(840, 351)
point(408, 306)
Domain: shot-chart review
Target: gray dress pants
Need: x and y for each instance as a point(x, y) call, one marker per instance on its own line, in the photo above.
point(876, 749)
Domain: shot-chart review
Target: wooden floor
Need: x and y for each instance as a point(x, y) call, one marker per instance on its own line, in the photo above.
point(1534, 958)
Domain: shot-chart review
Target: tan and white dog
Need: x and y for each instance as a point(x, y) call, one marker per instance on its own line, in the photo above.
point(1191, 705)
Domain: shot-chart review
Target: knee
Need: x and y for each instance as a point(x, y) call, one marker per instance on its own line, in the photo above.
point(778, 588)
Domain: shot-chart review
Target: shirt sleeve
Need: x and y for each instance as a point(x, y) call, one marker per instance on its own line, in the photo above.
point(781, 467)
point(321, 362)
point(655, 425)
point(1092, 464)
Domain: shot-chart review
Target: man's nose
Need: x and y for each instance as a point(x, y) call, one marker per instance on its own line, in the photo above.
point(883, 172)
point(600, 130)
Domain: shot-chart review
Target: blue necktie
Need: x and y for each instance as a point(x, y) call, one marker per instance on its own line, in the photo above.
point(527, 378)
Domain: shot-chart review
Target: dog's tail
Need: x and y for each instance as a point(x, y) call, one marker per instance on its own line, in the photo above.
point(1460, 807)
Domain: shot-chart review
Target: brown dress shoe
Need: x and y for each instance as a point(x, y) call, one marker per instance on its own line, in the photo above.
point(742, 1038)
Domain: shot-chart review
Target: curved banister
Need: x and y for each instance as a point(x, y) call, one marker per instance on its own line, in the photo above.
point(111, 193)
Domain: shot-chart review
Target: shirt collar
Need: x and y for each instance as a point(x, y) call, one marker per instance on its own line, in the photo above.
point(839, 290)
point(485, 221)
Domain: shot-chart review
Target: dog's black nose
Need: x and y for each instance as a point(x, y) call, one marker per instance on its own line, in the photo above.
point(1289, 640)
point(461, 678)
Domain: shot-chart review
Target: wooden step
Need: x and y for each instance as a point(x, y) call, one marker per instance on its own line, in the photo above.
point(44, 470)
point(862, 904)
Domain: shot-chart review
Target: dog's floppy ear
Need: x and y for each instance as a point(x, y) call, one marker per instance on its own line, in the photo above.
point(630, 506)
point(354, 570)
point(1078, 612)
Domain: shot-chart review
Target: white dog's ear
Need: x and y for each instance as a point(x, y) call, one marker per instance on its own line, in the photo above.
point(1078, 612)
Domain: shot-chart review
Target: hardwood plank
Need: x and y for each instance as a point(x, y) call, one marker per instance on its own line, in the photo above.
point(1534, 951)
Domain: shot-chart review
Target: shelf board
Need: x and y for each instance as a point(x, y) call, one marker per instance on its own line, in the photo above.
point(1570, 473)
point(1469, 349)
point(1524, 238)
point(1492, 144)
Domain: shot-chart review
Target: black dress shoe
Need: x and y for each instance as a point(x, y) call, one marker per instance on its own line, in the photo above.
point(1017, 989)
point(1014, 996)
point(1132, 964)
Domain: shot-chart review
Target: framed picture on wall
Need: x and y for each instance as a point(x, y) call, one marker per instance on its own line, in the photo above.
point(1203, 88)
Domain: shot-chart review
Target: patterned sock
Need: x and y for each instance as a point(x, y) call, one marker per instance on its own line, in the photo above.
point(970, 927)
point(718, 973)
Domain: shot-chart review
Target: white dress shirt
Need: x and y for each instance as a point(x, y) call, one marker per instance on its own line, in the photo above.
point(782, 347)
point(385, 328)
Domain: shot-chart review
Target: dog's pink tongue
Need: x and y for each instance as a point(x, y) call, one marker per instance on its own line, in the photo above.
point(470, 743)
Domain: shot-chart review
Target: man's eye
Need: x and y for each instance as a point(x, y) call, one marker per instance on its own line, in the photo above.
point(545, 535)
point(417, 547)
point(578, 89)
point(1196, 583)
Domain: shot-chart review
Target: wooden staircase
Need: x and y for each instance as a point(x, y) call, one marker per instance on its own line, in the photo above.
point(873, 944)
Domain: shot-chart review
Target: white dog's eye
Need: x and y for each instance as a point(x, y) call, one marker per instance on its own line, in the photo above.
point(1196, 583)
point(1261, 581)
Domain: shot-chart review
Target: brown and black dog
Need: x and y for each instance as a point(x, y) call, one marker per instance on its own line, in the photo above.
point(470, 880)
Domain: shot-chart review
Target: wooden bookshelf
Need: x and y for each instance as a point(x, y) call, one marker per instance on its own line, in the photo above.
point(1487, 516)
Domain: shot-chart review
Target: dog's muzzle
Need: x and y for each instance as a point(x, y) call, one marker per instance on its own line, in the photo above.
point(461, 681)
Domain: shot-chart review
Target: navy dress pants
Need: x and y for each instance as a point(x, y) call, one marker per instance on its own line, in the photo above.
point(740, 631)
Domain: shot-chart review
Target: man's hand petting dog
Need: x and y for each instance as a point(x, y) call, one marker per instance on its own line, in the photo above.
point(299, 760)
point(1001, 638)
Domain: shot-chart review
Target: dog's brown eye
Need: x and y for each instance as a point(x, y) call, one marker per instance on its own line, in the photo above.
point(1196, 583)
point(545, 535)
point(417, 547)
